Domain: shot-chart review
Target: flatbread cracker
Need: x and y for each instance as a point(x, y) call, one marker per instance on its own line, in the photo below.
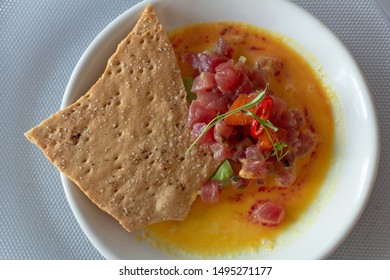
point(123, 142)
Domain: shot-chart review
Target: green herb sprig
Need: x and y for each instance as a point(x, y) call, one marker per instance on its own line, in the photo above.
point(218, 118)
point(278, 147)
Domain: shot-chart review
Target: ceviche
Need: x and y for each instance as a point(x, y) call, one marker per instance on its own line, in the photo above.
point(264, 113)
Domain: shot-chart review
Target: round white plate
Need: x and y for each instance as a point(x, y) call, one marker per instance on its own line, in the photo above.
point(346, 191)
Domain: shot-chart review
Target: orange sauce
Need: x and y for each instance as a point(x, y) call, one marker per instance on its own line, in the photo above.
point(222, 229)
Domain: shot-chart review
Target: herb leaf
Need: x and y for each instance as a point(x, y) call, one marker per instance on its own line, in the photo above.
point(224, 172)
point(279, 150)
point(218, 118)
point(188, 82)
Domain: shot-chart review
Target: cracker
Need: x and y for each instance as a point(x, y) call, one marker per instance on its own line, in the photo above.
point(123, 142)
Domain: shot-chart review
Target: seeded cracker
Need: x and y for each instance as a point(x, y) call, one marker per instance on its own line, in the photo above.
point(123, 142)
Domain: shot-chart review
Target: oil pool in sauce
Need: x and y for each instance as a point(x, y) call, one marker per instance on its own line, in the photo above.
point(223, 228)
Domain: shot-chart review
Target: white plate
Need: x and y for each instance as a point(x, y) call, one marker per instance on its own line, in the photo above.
point(348, 186)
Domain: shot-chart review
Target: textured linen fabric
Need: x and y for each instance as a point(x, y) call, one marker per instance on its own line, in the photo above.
point(40, 44)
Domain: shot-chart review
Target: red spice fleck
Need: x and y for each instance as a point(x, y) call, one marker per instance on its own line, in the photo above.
point(176, 43)
point(225, 30)
point(254, 48)
point(305, 112)
point(238, 197)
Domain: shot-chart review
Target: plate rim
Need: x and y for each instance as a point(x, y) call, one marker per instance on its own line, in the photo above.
point(136, 9)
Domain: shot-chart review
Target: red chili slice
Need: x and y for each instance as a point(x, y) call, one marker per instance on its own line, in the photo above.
point(263, 112)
